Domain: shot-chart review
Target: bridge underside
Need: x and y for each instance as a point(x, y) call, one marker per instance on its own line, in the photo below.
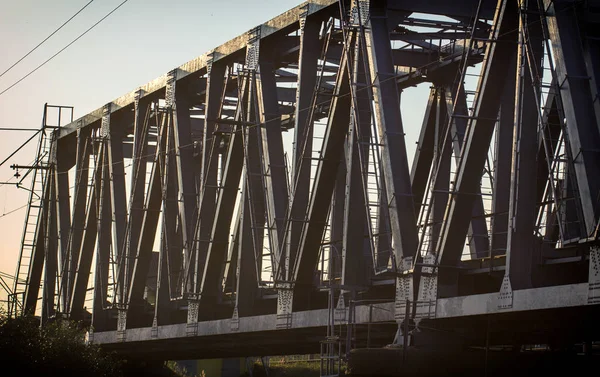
point(277, 189)
point(556, 316)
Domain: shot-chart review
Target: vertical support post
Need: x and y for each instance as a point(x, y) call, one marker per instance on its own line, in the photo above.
point(324, 183)
point(247, 278)
point(138, 180)
point(149, 223)
point(50, 243)
point(254, 183)
point(476, 143)
point(113, 137)
point(394, 159)
point(303, 134)
point(208, 174)
point(522, 206)
point(64, 218)
point(582, 125)
point(272, 151)
point(387, 116)
point(103, 208)
point(356, 268)
point(477, 231)
point(82, 162)
point(179, 111)
point(421, 166)
point(336, 218)
point(502, 167)
point(86, 252)
point(230, 183)
point(441, 159)
point(171, 247)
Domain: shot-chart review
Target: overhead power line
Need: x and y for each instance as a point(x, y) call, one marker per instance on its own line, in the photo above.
point(21, 147)
point(64, 48)
point(16, 209)
point(48, 37)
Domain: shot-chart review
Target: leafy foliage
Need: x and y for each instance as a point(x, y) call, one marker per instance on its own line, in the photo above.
point(56, 349)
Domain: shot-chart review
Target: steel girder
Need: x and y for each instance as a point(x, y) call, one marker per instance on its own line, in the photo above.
point(277, 167)
point(477, 139)
point(573, 80)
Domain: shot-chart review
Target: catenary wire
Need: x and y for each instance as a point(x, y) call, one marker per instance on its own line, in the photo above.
point(48, 37)
point(64, 48)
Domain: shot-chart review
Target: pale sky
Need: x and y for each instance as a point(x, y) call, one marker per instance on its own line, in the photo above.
point(139, 42)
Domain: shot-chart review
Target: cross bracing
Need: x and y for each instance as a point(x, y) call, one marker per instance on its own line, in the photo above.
point(250, 181)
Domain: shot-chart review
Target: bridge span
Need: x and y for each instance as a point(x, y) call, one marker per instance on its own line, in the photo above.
point(275, 192)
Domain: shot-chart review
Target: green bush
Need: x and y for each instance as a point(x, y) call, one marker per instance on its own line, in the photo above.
point(56, 349)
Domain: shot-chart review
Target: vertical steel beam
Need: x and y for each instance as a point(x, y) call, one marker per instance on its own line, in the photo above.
point(324, 183)
point(113, 134)
point(256, 186)
point(303, 135)
point(477, 140)
point(522, 208)
point(162, 302)
point(553, 125)
point(247, 274)
point(442, 160)
point(138, 180)
point(176, 99)
point(82, 162)
point(64, 217)
point(274, 167)
point(582, 125)
point(50, 246)
point(224, 209)
point(356, 269)
point(231, 261)
point(588, 27)
point(149, 222)
point(419, 173)
point(387, 117)
point(384, 246)
point(336, 218)
point(103, 249)
point(502, 167)
point(86, 252)
point(171, 227)
point(477, 232)
point(208, 174)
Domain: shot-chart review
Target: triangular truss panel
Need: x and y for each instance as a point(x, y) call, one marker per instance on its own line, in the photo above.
point(291, 168)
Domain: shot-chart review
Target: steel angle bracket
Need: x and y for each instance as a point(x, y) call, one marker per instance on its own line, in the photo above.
point(594, 276)
point(505, 297)
point(427, 297)
point(191, 328)
point(285, 297)
point(404, 289)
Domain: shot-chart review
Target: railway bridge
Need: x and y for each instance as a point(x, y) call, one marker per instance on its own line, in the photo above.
point(270, 195)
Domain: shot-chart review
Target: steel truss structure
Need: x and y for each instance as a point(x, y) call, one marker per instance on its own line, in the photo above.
point(243, 192)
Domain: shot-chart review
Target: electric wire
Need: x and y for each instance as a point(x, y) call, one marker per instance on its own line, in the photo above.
point(64, 48)
point(48, 37)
